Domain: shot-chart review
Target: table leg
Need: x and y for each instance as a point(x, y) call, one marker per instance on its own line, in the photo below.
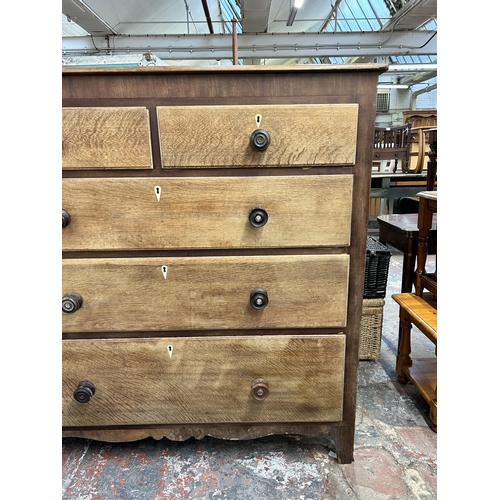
point(408, 272)
point(404, 346)
point(409, 261)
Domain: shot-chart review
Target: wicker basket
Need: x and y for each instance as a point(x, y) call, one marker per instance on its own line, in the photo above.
point(371, 329)
point(378, 257)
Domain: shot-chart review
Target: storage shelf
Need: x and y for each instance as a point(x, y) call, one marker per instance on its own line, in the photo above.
point(423, 374)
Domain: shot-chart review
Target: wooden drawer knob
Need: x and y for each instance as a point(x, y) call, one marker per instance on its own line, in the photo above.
point(84, 392)
point(260, 139)
point(71, 302)
point(259, 298)
point(66, 218)
point(260, 389)
point(258, 217)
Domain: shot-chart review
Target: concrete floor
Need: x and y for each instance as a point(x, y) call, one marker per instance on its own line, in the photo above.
point(395, 454)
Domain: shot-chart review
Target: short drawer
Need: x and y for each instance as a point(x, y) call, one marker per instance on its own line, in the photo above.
point(106, 138)
point(196, 293)
point(203, 380)
point(207, 212)
point(221, 136)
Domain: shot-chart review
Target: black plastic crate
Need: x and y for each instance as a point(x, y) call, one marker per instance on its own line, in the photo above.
point(378, 257)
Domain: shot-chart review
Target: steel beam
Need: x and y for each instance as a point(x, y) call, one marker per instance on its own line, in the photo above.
point(264, 45)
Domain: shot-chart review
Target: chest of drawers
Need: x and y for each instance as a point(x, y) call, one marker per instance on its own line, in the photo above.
point(214, 235)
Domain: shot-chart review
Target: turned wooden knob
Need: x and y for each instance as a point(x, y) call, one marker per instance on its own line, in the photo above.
point(71, 302)
point(258, 217)
point(259, 298)
point(66, 218)
point(84, 392)
point(260, 139)
point(260, 389)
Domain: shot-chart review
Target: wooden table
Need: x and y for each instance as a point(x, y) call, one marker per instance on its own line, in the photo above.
point(390, 186)
point(401, 232)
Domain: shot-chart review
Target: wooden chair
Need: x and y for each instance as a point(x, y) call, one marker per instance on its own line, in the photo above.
point(419, 148)
point(392, 143)
point(432, 163)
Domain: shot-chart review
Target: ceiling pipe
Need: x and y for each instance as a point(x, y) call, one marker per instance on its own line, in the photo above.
point(421, 91)
point(235, 43)
point(207, 15)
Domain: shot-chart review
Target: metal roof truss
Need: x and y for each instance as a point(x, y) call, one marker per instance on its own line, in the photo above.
point(265, 45)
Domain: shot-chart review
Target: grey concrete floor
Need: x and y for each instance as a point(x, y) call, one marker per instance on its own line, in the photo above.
point(395, 454)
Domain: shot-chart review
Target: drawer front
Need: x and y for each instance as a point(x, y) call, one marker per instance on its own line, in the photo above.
point(220, 136)
point(106, 138)
point(196, 293)
point(215, 212)
point(205, 380)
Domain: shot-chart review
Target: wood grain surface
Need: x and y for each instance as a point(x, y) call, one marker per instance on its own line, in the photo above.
point(422, 311)
point(219, 136)
point(206, 212)
point(205, 380)
point(132, 294)
point(106, 138)
point(320, 119)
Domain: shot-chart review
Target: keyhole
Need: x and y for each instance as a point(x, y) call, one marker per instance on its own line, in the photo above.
point(258, 120)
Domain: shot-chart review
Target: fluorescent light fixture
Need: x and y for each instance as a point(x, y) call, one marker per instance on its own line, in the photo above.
point(296, 6)
point(391, 86)
point(83, 6)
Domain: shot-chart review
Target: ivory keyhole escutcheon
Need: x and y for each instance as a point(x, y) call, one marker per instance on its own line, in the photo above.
point(158, 192)
point(258, 120)
point(170, 349)
point(164, 270)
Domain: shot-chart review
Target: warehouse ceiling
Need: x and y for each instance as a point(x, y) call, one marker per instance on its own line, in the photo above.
point(401, 33)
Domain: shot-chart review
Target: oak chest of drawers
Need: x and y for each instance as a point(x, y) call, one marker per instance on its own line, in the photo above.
point(214, 235)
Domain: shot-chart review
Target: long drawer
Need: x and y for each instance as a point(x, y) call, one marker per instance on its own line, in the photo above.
point(207, 212)
point(196, 293)
point(106, 138)
point(222, 136)
point(203, 380)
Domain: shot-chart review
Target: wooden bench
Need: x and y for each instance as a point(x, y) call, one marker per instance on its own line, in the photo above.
point(422, 313)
